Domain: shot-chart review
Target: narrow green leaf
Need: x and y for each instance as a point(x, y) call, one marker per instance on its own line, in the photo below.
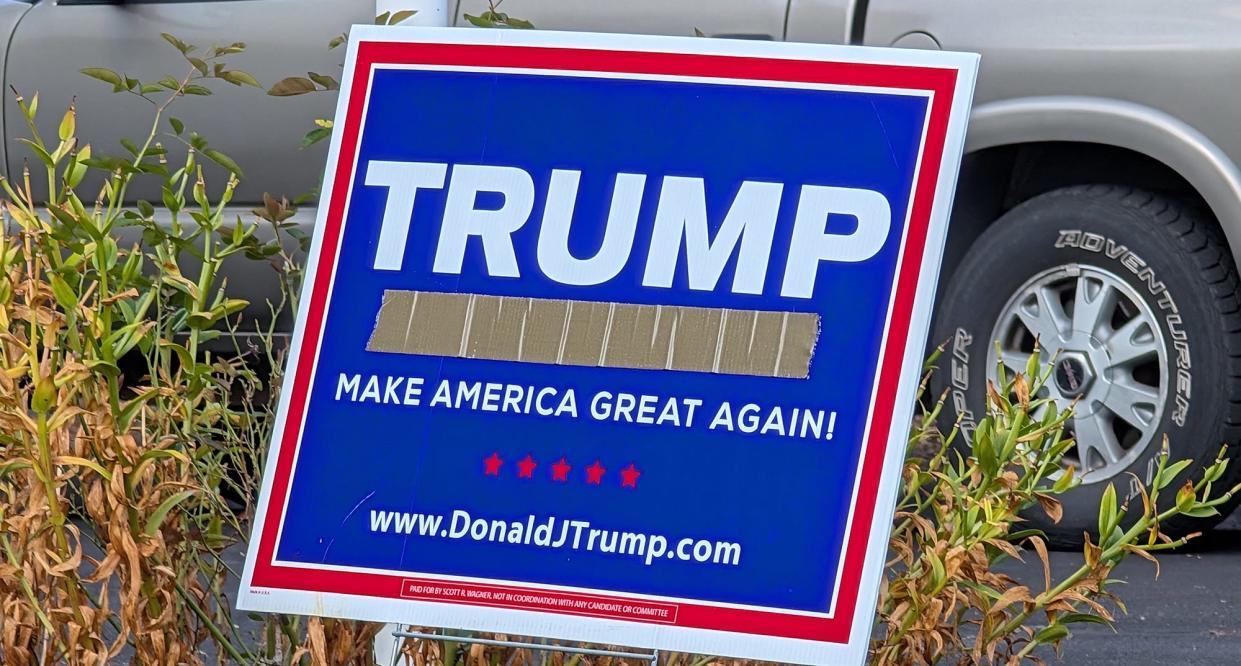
point(228, 307)
point(231, 49)
point(107, 368)
point(400, 16)
point(16, 465)
point(74, 174)
point(152, 455)
point(199, 64)
point(176, 43)
point(1170, 473)
point(1107, 512)
point(324, 80)
point(315, 136)
point(480, 21)
point(240, 78)
point(1082, 618)
point(64, 294)
point(130, 410)
point(1064, 482)
point(171, 201)
point(68, 124)
point(39, 152)
point(223, 160)
point(1051, 634)
point(105, 75)
point(182, 354)
point(83, 462)
point(161, 511)
point(1201, 512)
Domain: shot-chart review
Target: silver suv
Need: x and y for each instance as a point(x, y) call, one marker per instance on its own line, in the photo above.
point(1099, 209)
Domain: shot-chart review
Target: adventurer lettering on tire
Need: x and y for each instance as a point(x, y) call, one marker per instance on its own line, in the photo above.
point(1134, 296)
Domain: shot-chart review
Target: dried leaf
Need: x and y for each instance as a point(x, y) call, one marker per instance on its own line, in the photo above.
point(1142, 553)
point(317, 641)
point(1040, 547)
point(1022, 389)
point(293, 85)
point(1011, 595)
point(1051, 506)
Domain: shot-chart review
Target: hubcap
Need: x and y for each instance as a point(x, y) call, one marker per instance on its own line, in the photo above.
point(1073, 374)
point(1110, 361)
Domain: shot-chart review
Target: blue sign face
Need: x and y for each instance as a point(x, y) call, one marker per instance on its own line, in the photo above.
point(603, 343)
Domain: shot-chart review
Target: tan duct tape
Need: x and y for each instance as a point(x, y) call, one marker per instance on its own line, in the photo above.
point(588, 333)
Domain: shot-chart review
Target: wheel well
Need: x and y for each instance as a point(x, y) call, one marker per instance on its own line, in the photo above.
point(996, 179)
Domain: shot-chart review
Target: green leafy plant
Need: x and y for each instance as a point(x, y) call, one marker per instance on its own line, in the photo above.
point(945, 598)
point(492, 17)
point(960, 516)
point(313, 82)
point(294, 86)
point(128, 451)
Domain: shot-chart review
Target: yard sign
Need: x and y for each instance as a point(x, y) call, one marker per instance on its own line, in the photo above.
point(611, 338)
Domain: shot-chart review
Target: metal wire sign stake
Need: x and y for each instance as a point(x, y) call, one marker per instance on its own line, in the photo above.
point(611, 339)
point(652, 657)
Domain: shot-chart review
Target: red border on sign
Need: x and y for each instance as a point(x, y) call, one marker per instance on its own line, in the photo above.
point(941, 82)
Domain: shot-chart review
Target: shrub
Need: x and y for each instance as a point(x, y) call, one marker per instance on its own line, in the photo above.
point(959, 516)
point(130, 453)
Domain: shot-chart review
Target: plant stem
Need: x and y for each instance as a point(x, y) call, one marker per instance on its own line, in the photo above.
point(48, 472)
point(210, 624)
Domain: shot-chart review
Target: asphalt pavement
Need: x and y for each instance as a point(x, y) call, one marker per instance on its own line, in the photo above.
point(1190, 614)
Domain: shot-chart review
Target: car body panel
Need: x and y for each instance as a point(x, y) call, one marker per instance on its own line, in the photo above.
point(1139, 128)
point(1138, 74)
point(54, 40)
point(821, 21)
point(11, 12)
point(756, 19)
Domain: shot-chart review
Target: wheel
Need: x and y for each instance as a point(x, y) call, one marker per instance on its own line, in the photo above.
point(1134, 296)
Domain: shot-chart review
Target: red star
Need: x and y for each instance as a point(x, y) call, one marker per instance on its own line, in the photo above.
point(629, 477)
point(492, 464)
point(560, 470)
point(594, 473)
point(525, 467)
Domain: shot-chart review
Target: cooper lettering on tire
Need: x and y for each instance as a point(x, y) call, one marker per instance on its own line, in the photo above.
point(1134, 297)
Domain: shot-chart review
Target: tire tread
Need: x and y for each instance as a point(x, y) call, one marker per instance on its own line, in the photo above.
point(1193, 236)
point(1197, 234)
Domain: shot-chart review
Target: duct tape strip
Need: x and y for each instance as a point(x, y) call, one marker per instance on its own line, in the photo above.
point(588, 333)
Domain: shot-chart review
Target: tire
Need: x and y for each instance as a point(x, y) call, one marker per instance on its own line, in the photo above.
point(1150, 267)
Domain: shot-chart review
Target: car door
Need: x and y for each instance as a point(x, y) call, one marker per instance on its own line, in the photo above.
point(57, 38)
point(753, 19)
